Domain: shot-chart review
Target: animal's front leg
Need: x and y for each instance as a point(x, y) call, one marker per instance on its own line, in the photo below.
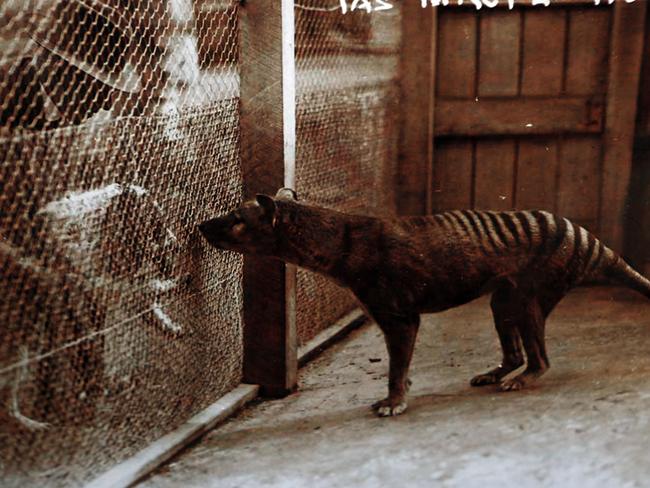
point(399, 333)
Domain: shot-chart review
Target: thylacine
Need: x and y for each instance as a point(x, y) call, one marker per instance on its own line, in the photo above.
point(401, 267)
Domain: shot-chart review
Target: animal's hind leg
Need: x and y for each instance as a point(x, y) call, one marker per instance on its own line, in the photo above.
point(532, 328)
point(507, 312)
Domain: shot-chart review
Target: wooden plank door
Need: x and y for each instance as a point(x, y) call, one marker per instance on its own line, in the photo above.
point(535, 108)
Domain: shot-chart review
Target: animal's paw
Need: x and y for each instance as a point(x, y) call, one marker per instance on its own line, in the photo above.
point(484, 379)
point(513, 384)
point(389, 408)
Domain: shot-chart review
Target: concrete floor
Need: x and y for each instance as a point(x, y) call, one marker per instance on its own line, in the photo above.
point(586, 423)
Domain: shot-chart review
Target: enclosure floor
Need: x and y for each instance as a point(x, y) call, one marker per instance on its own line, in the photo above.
point(586, 423)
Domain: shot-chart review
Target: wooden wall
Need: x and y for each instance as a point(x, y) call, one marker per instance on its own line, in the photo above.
point(532, 110)
point(518, 115)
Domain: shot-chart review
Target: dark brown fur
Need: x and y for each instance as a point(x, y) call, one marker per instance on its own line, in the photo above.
point(399, 268)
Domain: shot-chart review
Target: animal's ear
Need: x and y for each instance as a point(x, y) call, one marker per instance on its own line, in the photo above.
point(286, 194)
point(267, 203)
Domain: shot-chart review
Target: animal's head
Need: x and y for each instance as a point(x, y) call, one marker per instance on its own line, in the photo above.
point(252, 228)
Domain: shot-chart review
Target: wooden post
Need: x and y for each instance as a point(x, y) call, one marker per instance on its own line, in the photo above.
point(637, 237)
point(268, 161)
point(624, 72)
point(418, 56)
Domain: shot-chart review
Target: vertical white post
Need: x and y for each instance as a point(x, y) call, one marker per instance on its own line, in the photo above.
point(289, 132)
point(289, 92)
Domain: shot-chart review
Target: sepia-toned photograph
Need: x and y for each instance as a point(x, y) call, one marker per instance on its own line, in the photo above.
point(324, 243)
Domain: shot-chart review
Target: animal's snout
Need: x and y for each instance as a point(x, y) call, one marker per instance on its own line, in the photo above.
point(211, 229)
point(213, 232)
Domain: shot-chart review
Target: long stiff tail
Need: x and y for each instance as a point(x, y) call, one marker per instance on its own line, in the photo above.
point(619, 272)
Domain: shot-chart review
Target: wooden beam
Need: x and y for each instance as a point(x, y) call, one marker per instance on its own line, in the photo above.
point(268, 162)
point(505, 116)
point(628, 34)
point(129, 472)
point(418, 55)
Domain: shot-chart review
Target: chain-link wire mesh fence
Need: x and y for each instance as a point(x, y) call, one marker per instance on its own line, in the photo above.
point(119, 131)
point(347, 101)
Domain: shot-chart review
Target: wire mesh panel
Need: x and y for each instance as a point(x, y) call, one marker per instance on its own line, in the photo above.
point(119, 132)
point(347, 97)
